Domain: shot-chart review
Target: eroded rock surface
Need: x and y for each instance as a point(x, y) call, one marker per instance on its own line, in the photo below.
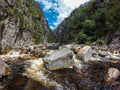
point(59, 59)
point(85, 53)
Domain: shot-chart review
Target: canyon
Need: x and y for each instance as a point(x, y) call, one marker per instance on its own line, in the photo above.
point(75, 58)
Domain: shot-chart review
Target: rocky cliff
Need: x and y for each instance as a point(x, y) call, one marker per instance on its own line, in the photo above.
point(21, 23)
point(96, 20)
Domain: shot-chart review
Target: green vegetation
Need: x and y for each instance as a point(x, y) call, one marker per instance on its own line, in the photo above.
point(81, 37)
point(30, 17)
point(94, 20)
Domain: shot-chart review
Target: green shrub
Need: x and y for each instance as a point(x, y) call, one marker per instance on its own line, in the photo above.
point(87, 43)
point(100, 41)
point(81, 37)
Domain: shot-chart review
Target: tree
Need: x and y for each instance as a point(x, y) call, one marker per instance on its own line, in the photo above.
point(81, 37)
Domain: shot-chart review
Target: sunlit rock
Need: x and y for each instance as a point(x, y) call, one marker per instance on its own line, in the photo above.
point(84, 53)
point(76, 48)
point(112, 75)
point(78, 64)
point(60, 59)
point(37, 72)
point(11, 56)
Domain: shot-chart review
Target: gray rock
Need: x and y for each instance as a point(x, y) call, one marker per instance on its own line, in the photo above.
point(114, 40)
point(84, 53)
point(59, 59)
point(102, 53)
point(104, 48)
point(16, 32)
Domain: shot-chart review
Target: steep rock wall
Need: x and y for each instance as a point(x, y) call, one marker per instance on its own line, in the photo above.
point(21, 23)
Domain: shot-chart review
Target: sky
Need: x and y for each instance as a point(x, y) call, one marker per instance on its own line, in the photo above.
point(56, 11)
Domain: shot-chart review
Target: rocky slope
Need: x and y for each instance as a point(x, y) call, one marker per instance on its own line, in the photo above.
point(71, 67)
point(97, 20)
point(21, 23)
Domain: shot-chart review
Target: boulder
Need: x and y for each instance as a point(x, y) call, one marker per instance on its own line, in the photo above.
point(94, 53)
point(112, 75)
point(14, 53)
point(104, 48)
point(84, 53)
point(76, 48)
point(114, 56)
point(102, 53)
point(4, 68)
point(60, 59)
point(78, 65)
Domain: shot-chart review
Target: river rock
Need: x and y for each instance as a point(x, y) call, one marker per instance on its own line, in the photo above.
point(78, 65)
point(76, 48)
point(84, 53)
point(11, 56)
point(104, 48)
point(35, 50)
point(102, 53)
point(112, 75)
point(4, 68)
point(53, 46)
point(14, 53)
point(114, 56)
point(60, 59)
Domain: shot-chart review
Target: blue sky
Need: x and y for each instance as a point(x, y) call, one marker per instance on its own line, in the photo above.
point(56, 10)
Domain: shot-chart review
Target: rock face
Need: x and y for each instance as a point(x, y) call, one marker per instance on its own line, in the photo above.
point(59, 59)
point(68, 31)
point(21, 25)
point(114, 40)
point(85, 53)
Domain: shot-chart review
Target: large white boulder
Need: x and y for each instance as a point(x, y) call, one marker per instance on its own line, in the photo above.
point(59, 59)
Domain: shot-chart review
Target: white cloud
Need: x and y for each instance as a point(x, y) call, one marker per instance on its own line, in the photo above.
point(62, 7)
point(52, 27)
